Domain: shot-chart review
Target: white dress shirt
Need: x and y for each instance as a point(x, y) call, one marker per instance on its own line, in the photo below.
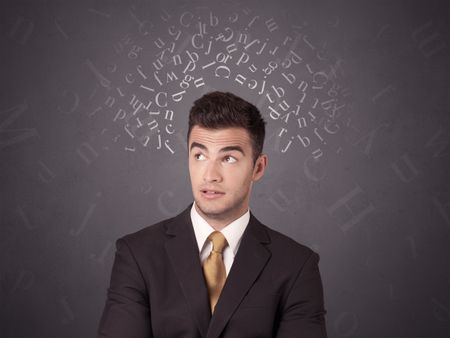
point(233, 233)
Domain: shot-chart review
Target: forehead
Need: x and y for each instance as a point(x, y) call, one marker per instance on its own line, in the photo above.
point(220, 137)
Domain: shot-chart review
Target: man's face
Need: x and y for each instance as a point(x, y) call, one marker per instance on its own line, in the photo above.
point(222, 171)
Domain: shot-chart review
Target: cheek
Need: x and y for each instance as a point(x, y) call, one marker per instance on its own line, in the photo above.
point(240, 177)
point(192, 173)
point(196, 173)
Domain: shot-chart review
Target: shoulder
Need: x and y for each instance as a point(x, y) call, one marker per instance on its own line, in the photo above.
point(151, 233)
point(288, 258)
point(153, 237)
point(283, 248)
point(287, 244)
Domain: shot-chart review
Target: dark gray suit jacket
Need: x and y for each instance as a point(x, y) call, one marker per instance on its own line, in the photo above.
point(157, 288)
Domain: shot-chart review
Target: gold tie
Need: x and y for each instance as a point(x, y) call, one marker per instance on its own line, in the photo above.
point(214, 269)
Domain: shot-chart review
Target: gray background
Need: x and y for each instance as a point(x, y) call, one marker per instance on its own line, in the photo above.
point(358, 146)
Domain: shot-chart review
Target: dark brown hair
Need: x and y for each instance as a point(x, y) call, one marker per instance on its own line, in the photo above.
point(217, 110)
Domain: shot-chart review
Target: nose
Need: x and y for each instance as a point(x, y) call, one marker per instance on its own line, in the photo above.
point(212, 172)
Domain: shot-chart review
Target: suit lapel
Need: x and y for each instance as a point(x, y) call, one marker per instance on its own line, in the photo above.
point(183, 253)
point(250, 260)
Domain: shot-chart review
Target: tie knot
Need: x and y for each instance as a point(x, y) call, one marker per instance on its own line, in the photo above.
point(219, 241)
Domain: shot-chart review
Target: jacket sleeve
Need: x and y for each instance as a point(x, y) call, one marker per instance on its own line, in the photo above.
point(126, 313)
point(303, 314)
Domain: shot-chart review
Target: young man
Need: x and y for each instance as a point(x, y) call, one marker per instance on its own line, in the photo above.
point(214, 270)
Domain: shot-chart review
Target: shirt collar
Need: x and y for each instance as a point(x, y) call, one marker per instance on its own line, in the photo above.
point(233, 232)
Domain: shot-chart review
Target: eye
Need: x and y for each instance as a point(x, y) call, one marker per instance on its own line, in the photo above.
point(199, 157)
point(229, 159)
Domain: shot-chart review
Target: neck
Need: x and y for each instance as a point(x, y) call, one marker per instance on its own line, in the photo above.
point(217, 225)
point(219, 222)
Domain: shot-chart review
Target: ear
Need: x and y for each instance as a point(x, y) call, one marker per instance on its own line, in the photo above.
point(260, 167)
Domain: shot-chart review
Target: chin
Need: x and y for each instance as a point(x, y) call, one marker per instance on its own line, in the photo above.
point(218, 213)
point(210, 211)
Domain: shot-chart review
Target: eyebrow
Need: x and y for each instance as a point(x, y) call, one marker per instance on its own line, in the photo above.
point(224, 149)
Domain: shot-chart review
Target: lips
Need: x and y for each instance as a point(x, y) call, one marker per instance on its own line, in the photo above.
point(210, 194)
